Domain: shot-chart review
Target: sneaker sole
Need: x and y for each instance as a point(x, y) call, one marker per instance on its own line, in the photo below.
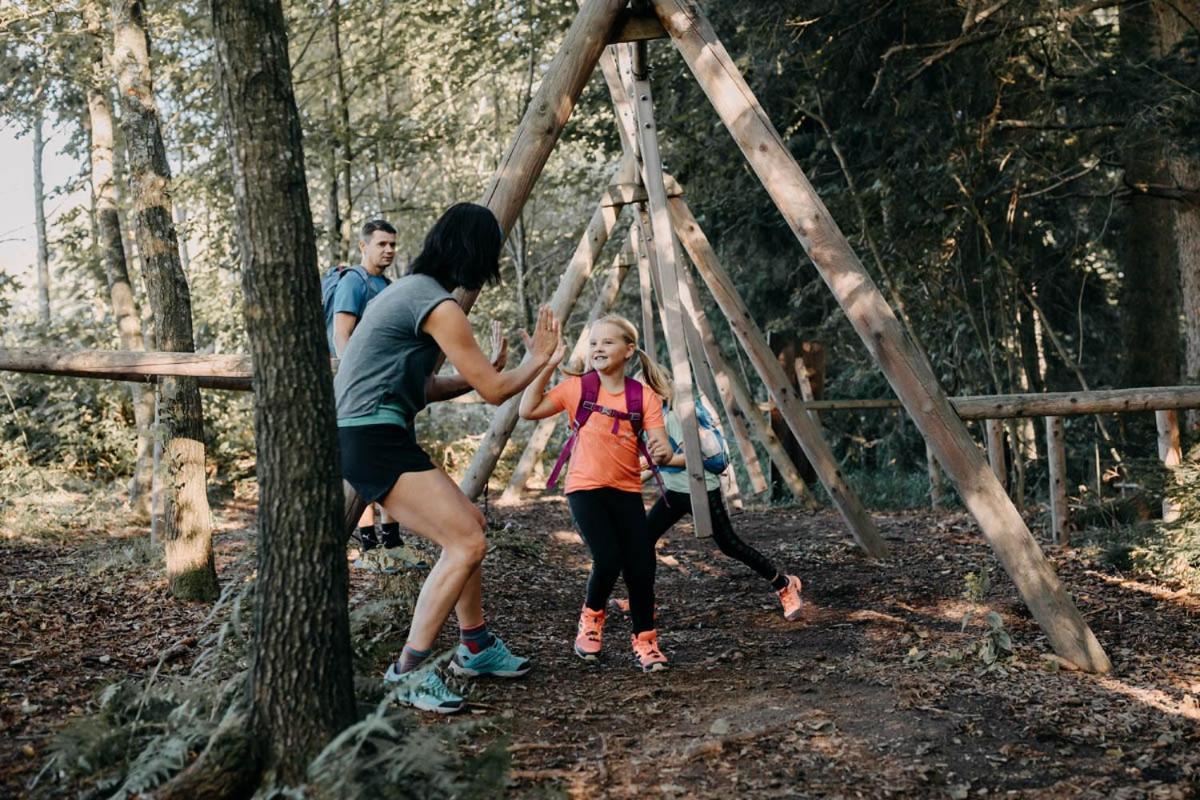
point(467, 672)
point(589, 657)
point(660, 666)
point(795, 615)
point(420, 706)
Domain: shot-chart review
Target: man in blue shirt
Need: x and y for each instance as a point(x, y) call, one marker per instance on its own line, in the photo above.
point(357, 287)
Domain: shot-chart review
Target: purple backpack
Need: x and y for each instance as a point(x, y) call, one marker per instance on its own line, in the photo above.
point(587, 405)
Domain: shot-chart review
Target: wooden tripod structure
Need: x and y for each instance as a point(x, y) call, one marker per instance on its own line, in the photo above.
point(604, 22)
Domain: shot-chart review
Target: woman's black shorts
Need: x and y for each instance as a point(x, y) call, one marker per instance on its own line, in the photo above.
point(375, 456)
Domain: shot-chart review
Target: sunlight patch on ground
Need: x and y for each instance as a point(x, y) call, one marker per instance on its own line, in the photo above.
point(1181, 597)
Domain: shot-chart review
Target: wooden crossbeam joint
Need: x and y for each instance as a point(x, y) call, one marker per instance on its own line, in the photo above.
point(637, 26)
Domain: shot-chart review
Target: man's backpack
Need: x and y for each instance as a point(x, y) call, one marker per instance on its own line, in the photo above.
point(332, 277)
point(590, 391)
point(712, 442)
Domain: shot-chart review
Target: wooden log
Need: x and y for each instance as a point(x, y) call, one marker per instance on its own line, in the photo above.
point(1056, 463)
point(936, 492)
point(573, 279)
point(624, 194)
point(547, 115)
point(1047, 404)
point(995, 450)
point(545, 428)
point(908, 372)
point(705, 380)
point(641, 249)
point(662, 263)
point(212, 371)
point(862, 528)
point(735, 398)
point(635, 27)
point(1171, 455)
point(785, 347)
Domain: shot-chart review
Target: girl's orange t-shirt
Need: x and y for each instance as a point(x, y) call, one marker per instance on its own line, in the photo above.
point(601, 459)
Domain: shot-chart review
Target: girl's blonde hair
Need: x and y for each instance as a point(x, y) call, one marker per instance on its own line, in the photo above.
point(654, 375)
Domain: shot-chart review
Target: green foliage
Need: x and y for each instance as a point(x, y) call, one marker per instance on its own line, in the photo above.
point(137, 735)
point(890, 489)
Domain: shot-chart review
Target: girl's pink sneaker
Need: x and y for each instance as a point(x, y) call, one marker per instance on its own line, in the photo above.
point(590, 634)
point(789, 596)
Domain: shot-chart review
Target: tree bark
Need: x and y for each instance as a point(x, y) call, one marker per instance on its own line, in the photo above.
point(111, 243)
point(39, 212)
point(1150, 298)
point(301, 673)
point(187, 528)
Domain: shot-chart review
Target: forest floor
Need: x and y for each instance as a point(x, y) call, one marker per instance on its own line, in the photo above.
point(881, 690)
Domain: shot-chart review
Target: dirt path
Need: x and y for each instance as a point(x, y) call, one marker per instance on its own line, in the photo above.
point(872, 695)
point(878, 692)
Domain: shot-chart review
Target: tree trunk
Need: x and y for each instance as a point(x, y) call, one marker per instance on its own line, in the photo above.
point(187, 521)
point(39, 211)
point(302, 692)
point(1150, 293)
point(112, 250)
point(1185, 170)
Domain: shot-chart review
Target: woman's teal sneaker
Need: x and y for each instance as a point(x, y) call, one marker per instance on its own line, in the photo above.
point(492, 660)
point(428, 693)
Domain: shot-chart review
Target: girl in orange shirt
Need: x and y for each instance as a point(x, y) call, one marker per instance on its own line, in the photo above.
point(604, 481)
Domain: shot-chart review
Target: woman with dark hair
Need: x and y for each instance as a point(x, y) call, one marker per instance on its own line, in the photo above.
point(384, 379)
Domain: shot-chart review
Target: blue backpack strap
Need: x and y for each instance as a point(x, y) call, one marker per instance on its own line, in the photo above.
point(589, 392)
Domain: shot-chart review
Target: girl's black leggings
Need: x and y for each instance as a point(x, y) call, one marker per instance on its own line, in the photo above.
point(613, 523)
point(662, 516)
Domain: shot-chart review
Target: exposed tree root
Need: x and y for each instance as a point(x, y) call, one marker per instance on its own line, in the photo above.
point(229, 768)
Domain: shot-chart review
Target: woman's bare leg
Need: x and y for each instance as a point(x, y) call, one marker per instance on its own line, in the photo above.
point(431, 505)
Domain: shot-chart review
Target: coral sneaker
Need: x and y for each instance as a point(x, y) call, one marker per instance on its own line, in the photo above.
point(590, 634)
point(789, 596)
point(646, 652)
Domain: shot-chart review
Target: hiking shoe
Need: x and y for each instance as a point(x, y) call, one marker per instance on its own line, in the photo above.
point(375, 560)
point(646, 653)
point(789, 596)
point(496, 659)
point(590, 634)
point(428, 693)
point(620, 604)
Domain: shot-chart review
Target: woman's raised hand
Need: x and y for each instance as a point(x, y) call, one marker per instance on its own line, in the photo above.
point(546, 342)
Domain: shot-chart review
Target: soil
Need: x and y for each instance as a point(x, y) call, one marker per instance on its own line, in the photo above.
point(880, 690)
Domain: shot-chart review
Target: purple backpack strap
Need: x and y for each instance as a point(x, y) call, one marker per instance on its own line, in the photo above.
point(590, 390)
point(633, 405)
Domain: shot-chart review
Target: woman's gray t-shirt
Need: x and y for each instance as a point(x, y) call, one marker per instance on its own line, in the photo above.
point(389, 358)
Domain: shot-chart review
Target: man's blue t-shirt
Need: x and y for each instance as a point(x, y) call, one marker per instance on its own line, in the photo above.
point(351, 297)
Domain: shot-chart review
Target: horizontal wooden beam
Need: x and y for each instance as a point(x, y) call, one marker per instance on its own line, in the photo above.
point(1050, 404)
point(634, 27)
point(623, 194)
point(233, 372)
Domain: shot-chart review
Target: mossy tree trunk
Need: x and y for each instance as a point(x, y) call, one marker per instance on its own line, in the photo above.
point(187, 528)
point(301, 688)
point(111, 244)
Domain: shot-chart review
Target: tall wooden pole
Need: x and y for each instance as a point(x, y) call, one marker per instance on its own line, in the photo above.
point(935, 479)
point(573, 279)
point(1171, 455)
point(645, 283)
point(907, 370)
point(995, 450)
point(780, 387)
point(1056, 464)
point(739, 406)
point(662, 263)
point(547, 115)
